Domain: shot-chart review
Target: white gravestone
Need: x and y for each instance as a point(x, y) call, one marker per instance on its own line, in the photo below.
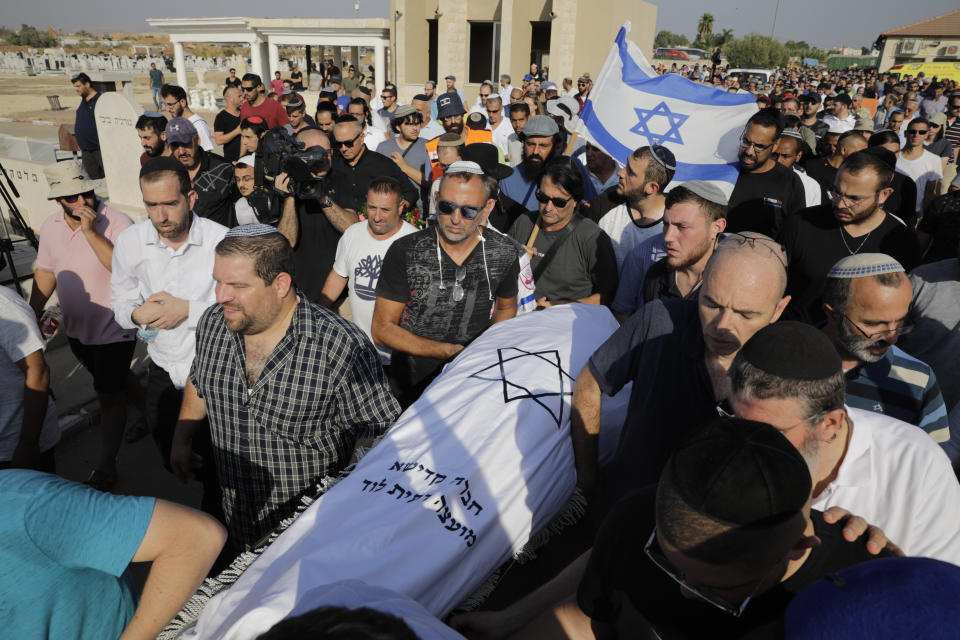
point(120, 149)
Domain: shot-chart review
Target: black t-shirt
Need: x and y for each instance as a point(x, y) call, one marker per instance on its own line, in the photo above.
point(761, 201)
point(232, 82)
point(660, 283)
point(815, 241)
point(903, 201)
point(620, 573)
point(226, 122)
point(821, 171)
point(660, 349)
point(604, 202)
point(316, 248)
point(351, 183)
point(216, 190)
point(941, 221)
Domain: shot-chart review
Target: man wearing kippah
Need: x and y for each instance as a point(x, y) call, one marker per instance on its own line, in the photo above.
point(717, 549)
point(866, 299)
point(891, 473)
point(288, 386)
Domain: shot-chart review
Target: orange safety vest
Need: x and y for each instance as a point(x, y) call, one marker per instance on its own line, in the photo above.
point(473, 136)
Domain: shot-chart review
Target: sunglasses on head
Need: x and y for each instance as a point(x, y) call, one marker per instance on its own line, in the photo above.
point(446, 208)
point(559, 203)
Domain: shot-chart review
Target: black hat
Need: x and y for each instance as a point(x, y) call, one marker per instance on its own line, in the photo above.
point(793, 351)
point(487, 156)
point(740, 472)
point(162, 163)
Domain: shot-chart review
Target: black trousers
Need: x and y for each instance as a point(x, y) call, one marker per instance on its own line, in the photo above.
point(163, 401)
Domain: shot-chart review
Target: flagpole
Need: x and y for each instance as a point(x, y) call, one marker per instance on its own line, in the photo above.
point(775, 14)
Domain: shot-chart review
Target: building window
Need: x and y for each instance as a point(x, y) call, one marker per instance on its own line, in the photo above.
point(484, 51)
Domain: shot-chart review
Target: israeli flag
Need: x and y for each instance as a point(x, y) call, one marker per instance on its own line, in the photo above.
point(631, 106)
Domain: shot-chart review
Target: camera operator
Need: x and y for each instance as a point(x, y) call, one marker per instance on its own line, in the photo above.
point(316, 219)
point(253, 199)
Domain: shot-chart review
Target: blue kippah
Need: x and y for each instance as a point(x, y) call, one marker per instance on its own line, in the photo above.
point(864, 264)
point(153, 114)
point(251, 230)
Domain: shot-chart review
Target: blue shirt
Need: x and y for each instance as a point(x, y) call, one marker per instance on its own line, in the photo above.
point(522, 190)
point(343, 102)
point(64, 555)
point(902, 387)
point(85, 125)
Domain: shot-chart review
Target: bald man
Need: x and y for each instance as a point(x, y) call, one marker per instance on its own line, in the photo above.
point(824, 170)
point(676, 353)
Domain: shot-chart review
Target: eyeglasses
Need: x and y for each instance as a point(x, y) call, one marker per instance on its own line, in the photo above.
point(725, 411)
point(838, 197)
point(559, 203)
point(457, 294)
point(904, 328)
point(657, 557)
point(916, 132)
point(347, 143)
point(735, 240)
point(746, 144)
point(446, 208)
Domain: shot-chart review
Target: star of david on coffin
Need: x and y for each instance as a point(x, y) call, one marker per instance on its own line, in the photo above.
point(513, 370)
point(675, 121)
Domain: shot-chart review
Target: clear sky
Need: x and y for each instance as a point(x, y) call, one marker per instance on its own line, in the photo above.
point(824, 23)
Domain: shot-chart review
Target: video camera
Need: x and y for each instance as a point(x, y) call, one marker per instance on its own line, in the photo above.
point(282, 153)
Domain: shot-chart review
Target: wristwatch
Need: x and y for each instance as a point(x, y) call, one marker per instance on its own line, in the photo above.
point(327, 202)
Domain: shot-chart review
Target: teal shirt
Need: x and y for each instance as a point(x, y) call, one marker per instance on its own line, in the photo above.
point(156, 78)
point(64, 557)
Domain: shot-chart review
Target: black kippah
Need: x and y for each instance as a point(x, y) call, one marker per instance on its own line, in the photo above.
point(792, 350)
point(740, 472)
point(162, 163)
point(886, 156)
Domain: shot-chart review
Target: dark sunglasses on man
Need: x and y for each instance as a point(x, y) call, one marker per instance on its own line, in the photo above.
point(446, 208)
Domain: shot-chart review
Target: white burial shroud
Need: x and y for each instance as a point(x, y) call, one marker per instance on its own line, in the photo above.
point(477, 465)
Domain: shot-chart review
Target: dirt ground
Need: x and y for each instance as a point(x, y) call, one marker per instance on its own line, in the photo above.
point(25, 97)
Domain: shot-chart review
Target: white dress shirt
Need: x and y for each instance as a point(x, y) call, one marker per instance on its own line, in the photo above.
point(501, 134)
point(143, 266)
point(896, 477)
point(812, 190)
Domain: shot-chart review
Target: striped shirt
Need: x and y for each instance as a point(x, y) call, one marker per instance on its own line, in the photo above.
point(902, 387)
point(321, 388)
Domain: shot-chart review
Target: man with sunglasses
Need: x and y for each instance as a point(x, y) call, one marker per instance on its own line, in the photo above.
point(443, 286)
point(923, 166)
point(766, 192)
point(889, 472)
point(866, 299)
point(257, 104)
point(716, 549)
point(853, 222)
point(75, 258)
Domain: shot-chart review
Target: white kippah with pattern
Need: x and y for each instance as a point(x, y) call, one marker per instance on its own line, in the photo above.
point(864, 264)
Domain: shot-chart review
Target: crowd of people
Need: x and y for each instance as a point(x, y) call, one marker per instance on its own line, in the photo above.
point(792, 346)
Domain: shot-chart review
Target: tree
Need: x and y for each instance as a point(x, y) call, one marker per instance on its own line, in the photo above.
point(755, 50)
point(715, 40)
point(29, 37)
point(800, 49)
point(669, 39)
point(704, 28)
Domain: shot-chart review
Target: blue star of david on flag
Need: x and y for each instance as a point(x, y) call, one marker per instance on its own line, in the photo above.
point(674, 120)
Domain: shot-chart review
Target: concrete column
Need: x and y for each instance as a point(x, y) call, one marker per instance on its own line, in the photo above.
point(180, 64)
point(379, 65)
point(452, 43)
point(506, 38)
point(274, 58)
point(354, 59)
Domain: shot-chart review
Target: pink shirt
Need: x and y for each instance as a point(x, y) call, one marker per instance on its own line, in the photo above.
point(83, 283)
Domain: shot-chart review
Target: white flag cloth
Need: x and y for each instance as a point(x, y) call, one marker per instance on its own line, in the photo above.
point(630, 106)
point(468, 473)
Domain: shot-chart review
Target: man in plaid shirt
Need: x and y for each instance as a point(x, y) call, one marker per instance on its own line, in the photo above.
point(288, 386)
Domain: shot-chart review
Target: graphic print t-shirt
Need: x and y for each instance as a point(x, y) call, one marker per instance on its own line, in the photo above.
point(412, 274)
point(359, 259)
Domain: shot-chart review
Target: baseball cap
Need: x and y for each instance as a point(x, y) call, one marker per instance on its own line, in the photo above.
point(180, 131)
point(449, 105)
point(450, 77)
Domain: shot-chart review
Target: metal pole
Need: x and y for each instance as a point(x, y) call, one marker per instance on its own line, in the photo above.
point(775, 14)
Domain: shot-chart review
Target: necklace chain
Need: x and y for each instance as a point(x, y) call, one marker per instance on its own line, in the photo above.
point(849, 250)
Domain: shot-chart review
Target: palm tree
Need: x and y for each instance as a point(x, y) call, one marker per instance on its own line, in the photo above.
point(704, 27)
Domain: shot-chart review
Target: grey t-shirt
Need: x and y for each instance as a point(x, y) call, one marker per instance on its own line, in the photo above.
point(415, 156)
point(583, 264)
